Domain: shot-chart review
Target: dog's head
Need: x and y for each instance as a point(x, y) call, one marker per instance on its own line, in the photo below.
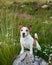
point(24, 31)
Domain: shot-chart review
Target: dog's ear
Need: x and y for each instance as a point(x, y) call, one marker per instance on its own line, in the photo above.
point(29, 27)
point(20, 26)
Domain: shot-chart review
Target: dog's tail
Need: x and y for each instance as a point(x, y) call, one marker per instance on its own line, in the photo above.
point(35, 36)
point(36, 39)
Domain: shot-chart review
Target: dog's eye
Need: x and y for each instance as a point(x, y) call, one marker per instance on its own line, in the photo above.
point(26, 30)
point(21, 30)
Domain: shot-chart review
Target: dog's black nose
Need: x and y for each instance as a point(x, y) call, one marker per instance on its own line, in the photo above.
point(23, 34)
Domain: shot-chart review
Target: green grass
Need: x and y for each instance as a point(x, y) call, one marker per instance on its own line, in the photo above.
point(10, 34)
point(8, 2)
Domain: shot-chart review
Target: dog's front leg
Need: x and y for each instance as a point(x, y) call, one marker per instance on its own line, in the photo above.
point(31, 49)
point(22, 49)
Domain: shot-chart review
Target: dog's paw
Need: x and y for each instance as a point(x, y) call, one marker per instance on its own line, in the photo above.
point(22, 51)
point(31, 53)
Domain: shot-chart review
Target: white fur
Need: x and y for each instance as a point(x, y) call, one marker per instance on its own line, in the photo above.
point(27, 42)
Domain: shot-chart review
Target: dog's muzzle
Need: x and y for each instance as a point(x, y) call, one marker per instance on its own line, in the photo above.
point(23, 34)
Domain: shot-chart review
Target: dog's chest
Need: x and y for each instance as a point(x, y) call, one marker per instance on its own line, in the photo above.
point(27, 42)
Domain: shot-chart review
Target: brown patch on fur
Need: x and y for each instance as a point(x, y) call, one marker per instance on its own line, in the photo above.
point(34, 44)
point(30, 26)
point(20, 26)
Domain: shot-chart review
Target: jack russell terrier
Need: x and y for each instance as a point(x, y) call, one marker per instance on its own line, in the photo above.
point(26, 40)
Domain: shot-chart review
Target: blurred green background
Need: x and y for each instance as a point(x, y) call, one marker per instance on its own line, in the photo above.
point(26, 12)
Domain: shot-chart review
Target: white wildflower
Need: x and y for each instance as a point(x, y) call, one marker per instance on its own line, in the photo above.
point(44, 52)
point(49, 61)
point(51, 17)
point(51, 47)
point(50, 55)
point(46, 22)
point(44, 6)
point(22, 5)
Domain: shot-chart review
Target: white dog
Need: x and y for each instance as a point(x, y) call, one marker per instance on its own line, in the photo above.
point(26, 40)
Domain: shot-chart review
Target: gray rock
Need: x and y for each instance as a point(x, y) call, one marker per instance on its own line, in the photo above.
point(22, 56)
point(43, 62)
point(36, 63)
point(27, 59)
point(16, 62)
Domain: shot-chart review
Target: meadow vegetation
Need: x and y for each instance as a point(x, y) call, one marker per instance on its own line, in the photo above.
point(23, 13)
